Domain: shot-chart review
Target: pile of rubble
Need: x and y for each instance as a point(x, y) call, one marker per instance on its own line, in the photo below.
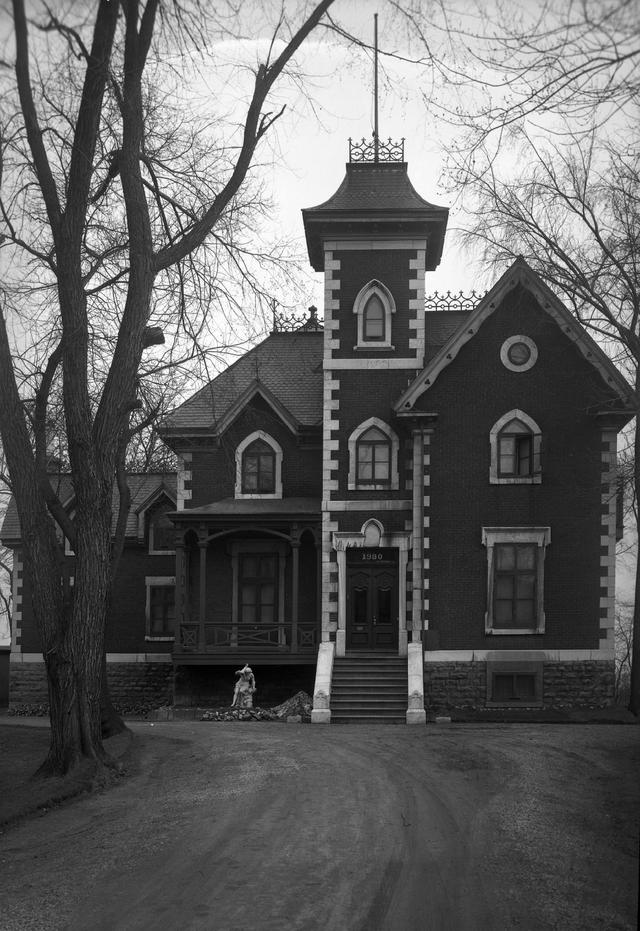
point(297, 708)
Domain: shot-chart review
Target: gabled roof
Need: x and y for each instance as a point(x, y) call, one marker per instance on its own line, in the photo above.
point(144, 488)
point(520, 273)
point(375, 198)
point(285, 369)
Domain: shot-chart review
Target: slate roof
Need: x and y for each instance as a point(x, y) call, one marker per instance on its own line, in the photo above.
point(288, 365)
point(440, 325)
point(255, 507)
point(371, 186)
point(143, 488)
point(377, 199)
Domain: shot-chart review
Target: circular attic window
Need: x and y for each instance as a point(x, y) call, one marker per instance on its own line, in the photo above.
point(518, 353)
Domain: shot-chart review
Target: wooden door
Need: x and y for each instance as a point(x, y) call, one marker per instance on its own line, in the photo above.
point(372, 608)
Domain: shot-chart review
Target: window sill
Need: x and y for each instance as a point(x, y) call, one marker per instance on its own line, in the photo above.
point(511, 631)
point(151, 639)
point(525, 480)
point(367, 347)
point(258, 495)
point(373, 487)
point(516, 703)
point(162, 552)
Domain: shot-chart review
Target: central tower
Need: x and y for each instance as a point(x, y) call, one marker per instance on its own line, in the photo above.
point(374, 239)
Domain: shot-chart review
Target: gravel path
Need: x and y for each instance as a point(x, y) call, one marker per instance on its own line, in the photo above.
point(344, 828)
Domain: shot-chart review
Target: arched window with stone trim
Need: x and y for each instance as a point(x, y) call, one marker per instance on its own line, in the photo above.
point(516, 442)
point(373, 456)
point(374, 307)
point(258, 467)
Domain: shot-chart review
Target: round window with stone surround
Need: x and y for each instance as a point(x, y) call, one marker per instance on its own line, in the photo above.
point(518, 353)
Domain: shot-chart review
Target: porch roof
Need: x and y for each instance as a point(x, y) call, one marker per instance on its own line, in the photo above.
point(252, 508)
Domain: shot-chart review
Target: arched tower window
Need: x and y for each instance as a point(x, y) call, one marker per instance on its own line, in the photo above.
point(374, 307)
point(516, 442)
point(373, 456)
point(373, 327)
point(259, 467)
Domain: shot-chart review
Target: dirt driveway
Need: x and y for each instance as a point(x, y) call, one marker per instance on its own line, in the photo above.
point(273, 826)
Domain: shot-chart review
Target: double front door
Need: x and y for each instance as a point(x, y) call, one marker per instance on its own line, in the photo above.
point(372, 603)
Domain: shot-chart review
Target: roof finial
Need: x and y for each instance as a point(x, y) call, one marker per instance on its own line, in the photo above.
point(375, 87)
point(374, 150)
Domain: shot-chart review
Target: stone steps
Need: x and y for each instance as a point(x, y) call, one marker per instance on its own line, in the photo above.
point(369, 688)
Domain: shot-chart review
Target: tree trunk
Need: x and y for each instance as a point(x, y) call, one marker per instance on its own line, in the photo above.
point(634, 685)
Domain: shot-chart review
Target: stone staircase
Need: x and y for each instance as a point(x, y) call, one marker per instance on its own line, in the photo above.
point(369, 688)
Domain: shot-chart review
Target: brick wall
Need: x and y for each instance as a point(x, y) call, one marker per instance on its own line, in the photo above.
point(392, 268)
point(126, 626)
point(469, 397)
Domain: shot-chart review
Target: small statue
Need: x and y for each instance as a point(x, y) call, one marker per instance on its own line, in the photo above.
point(245, 688)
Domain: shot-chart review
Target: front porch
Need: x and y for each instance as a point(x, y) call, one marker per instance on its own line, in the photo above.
point(248, 582)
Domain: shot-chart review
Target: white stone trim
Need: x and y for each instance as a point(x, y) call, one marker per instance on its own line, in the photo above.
point(277, 449)
point(372, 244)
point(17, 584)
point(504, 353)
point(608, 498)
point(184, 475)
point(548, 656)
point(416, 305)
point(367, 504)
point(365, 364)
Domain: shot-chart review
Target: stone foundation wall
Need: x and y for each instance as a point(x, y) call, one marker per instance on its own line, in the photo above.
point(579, 685)
point(454, 685)
point(463, 686)
point(130, 684)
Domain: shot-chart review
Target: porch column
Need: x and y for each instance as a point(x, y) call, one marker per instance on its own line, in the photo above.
point(295, 585)
point(181, 590)
point(417, 532)
point(341, 633)
point(203, 544)
point(281, 599)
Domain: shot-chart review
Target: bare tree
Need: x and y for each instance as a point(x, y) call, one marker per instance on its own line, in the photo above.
point(102, 219)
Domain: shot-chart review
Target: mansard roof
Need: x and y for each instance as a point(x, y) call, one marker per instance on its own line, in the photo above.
point(521, 273)
point(145, 489)
point(285, 369)
point(375, 199)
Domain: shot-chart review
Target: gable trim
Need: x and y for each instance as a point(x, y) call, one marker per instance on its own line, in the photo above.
point(520, 273)
point(251, 391)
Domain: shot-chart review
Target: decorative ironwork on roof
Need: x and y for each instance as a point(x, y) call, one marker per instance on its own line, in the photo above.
point(291, 323)
point(376, 150)
point(449, 301)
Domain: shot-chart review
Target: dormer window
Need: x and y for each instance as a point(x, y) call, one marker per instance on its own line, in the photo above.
point(161, 531)
point(259, 467)
point(515, 442)
point(374, 307)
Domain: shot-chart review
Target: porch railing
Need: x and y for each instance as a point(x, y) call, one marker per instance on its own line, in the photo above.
point(226, 637)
